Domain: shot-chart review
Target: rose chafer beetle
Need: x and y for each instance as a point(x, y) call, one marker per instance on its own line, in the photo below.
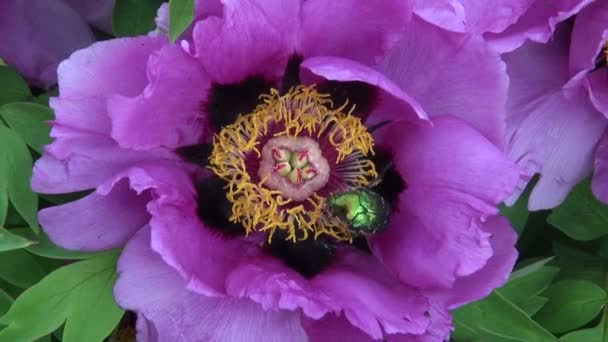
point(365, 211)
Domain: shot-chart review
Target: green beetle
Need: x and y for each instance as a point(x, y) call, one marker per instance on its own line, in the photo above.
point(365, 211)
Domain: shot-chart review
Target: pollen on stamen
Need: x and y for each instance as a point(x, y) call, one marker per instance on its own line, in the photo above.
point(283, 136)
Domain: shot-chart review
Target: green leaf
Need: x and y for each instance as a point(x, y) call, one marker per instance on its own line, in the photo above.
point(3, 199)
point(572, 304)
point(518, 213)
point(134, 17)
point(2, 62)
point(5, 302)
point(576, 264)
point(533, 305)
point(30, 121)
point(527, 283)
point(93, 314)
point(584, 335)
point(181, 13)
point(59, 296)
point(45, 248)
point(16, 165)
point(581, 216)
point(9, 241)
point(496, 319)
point(20, 268)
point(13, 88)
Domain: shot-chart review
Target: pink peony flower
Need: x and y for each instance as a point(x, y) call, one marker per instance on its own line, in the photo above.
point(557, 103)
point(288, 171)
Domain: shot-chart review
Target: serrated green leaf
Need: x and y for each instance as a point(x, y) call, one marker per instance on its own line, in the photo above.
point(16, 164)
point(20, 268)
point(45, 306)
point(572, 304)
point(181, 14)
point(45, 248)
point(496, 316)
point(10, 241)
point(29, 120)
point(14, 88)
point(581, 216)
point(134, 17)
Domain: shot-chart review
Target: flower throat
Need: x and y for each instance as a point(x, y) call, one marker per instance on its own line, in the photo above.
point(284, 161)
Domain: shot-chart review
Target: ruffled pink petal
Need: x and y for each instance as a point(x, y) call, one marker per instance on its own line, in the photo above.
point(203, 258)
point(392, 102)
point(597, 84)
point(451, 74)
point(589, 36)
point(493, 275)
point(548, 132)
point(599, 183)
point(471, 15)
point(87, 114)
point(254, 38)
point(355, 284)
point(157, 293)
point(438, 331)
point(556, 139)
point(97, 13)
point(78, 160)
point(116, 66)
point(36, 35)
point(98, 221)
point(356, 29)
point(333, 328)
point(454, 180)
point(168, 112)
point(537, 24)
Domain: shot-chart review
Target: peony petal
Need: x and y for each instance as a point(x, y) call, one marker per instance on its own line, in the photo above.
point(597, 84)
point(155, 291)
point(254, 38)
point(451, 74)
point(202, 257)
point(455, 178)
point(97, 222)
point(360, 30)
point(84, 114)
point(589, 36)
point(548, 132)
point(168, 112)
point(392, 102)
point(333, 328)
point(494, 274)
point(97, 13)
point(36, 35)
point(471, 15)
point(537, 24)
point(79, 160)
point(116, 66)
point(355, 284)
point(599, 182)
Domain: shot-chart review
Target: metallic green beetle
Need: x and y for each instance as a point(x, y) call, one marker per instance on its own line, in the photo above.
point(365, 211)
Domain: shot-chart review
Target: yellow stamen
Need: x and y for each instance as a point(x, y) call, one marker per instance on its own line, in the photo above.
point(302, 111)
